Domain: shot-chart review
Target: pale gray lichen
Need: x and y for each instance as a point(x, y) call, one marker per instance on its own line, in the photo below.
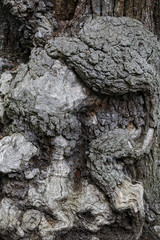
point(15, 153)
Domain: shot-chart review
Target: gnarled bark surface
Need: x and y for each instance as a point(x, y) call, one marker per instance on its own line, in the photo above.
point(79, 120)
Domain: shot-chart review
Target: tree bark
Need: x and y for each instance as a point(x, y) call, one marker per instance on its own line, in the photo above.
point(79, 119)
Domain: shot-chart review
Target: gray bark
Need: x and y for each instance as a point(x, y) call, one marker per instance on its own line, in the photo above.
point(79, 119)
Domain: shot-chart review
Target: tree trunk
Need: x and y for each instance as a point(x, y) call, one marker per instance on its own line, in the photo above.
point(79, 119)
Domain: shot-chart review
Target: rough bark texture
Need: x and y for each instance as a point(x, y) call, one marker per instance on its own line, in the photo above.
point(79, 119)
